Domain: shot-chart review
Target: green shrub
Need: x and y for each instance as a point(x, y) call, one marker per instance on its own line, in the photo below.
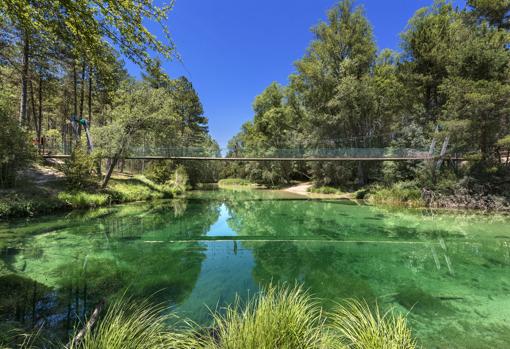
point(15, 149)
point(179, 180)
point(234, 182)
point(361, 194)
point(81, 199)
point(400, 193)
point(324, 190)
point(160, 171)
point(78, 168)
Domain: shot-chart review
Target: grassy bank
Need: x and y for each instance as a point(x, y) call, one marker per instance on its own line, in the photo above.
point(398, 194)
point(30, 199)
point(279, 317)
point(236, 182)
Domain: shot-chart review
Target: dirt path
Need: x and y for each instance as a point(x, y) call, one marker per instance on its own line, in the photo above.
point(301, 188)
point(42, 174)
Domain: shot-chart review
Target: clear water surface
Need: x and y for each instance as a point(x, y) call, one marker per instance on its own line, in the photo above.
point(449, 271)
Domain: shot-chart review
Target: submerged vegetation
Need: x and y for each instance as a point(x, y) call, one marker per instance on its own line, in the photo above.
point(279, 317)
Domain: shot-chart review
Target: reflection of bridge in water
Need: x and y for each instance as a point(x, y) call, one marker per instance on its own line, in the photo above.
point(316, 154)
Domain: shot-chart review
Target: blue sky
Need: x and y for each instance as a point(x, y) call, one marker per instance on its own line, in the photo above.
point(233, 49)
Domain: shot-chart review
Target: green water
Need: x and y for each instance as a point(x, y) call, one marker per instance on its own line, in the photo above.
point(449, 271)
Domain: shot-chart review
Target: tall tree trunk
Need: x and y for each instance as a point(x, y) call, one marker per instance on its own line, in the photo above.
point(82, 91)
point(75, 90)
point(32, 102)
point(90, 96)
point(23, 113)
point(39, 129)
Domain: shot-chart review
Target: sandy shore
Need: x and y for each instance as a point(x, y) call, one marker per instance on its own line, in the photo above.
point(302, 189)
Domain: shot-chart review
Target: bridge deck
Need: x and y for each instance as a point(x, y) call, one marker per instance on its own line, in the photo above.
point(206, 158)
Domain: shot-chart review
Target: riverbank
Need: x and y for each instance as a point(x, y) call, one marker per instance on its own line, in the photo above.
point(43, 190)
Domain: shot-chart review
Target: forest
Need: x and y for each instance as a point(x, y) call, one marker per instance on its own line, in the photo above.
point(448, 85)
point(450, 81)
point(373, 261)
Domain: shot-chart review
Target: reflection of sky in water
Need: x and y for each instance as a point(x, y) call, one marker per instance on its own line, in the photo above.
point(221, 227)
point(227, 269)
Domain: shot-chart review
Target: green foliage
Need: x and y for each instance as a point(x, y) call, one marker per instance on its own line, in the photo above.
point(15, 150)
point(278, 317)
point(324, 190)
point(160, 171)
point(234, 182)
point(362, 328)
point(128, 324)
point(179, 180)
point(28, 204)
point(78, 168)
point(34, 200)
point(81, 199)
point(400, 193)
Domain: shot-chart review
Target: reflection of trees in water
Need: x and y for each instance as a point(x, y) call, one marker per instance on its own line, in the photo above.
point(103, 257)
point(423, 263)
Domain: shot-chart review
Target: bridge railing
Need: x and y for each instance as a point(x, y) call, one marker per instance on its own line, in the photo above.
point(295, 153)
point(283, 153)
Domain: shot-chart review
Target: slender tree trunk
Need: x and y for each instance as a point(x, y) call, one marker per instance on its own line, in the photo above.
point(75, 90)
point(32, 101)
point(39, 129)
point(90, 96)
point(23, 114)
point(82, 89)
point(109, 171)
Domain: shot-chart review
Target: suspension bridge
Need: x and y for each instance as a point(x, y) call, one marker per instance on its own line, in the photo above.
point(309, 154)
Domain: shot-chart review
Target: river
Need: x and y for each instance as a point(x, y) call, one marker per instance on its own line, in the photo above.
point(449, 271)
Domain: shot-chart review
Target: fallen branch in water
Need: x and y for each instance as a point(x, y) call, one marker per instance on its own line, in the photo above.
point(88, 326)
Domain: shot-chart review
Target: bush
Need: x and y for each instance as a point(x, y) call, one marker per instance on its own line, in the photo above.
point(400, 193)
point(324, 190)
point(179, 180)
point(15, 149)
point(82, 199)
point(160, 171)
point(78, 168)
point(234, 182)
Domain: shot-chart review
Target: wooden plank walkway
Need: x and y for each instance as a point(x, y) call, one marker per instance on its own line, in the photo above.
point(253, 159)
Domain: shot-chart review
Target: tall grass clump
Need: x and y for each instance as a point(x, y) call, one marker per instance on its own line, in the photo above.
point(398, 194)
point(277, 318)
point(133, 325)
point(359, 327)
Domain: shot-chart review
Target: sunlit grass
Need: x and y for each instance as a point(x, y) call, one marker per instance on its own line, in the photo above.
point(133, 325)
point(359, 327)
point(278, 317)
